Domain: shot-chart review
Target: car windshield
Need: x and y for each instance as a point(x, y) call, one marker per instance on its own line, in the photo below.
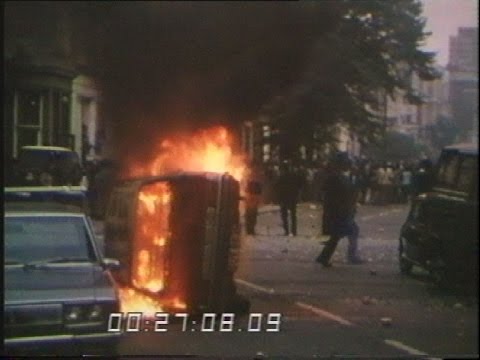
point(46, 238)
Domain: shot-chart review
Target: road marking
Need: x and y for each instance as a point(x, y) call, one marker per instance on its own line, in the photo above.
point(256, 287)
point(315, 310)
point(324, 313)
point(382, 214)
point(401, 346)
point(339, 319)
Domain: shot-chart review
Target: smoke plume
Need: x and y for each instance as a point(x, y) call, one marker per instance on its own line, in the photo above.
point(166, 66)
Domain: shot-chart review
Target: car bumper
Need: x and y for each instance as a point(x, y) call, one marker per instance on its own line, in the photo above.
point(84, 344)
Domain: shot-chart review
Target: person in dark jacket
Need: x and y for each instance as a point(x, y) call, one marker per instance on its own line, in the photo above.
point(423, 177)
point(253, 193)
point(339, 207)
point(102, 186)
point(288, 187)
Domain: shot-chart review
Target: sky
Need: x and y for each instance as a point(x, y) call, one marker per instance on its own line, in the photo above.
point(444, 17)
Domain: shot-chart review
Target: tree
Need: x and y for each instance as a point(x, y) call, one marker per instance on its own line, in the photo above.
point(443, 132)
point(164, 65)
point(369, 55)
point(395, 146)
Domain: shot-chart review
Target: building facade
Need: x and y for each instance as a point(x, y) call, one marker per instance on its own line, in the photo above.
point(49, 97)
point(463, 83)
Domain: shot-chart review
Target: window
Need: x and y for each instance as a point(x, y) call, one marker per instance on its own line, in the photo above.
point(391, 121)
point(41, 238)
point(467, 174)
point(266, 152)
point(418, 212)
point(448, 170)
point(266, 131)
point(28, 118)
point(28, 108)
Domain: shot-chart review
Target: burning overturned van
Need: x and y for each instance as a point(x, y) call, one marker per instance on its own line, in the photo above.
point(178, 236)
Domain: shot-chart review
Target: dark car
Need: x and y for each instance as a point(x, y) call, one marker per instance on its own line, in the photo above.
point(441, 231)
point(46, 165)
point(58, 288)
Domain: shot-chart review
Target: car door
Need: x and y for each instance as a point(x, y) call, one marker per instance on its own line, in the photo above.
point(466, 209)
point(415, 232)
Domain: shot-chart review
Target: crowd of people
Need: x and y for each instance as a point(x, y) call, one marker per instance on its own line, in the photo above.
point(340, 185)
point(378, 183)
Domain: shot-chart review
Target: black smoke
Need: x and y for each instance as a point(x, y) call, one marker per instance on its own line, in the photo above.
point(169, 65)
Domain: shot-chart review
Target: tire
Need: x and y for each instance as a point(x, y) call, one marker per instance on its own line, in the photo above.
point(405, 265)
point(439, 277)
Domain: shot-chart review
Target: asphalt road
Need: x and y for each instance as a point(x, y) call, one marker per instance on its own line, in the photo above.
point(366, 310)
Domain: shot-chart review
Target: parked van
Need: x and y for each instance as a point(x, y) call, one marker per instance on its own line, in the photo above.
point(441, 231)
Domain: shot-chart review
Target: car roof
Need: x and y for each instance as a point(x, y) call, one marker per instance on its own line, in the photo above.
point(63, 195)
point(46, 148)
point(175, 176)
point(464, 148)
point(50, 208)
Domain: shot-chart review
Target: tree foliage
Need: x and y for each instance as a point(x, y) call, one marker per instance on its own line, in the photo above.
point(370, 54)
point(164, 65)
point(443, 132)
point(395, 146)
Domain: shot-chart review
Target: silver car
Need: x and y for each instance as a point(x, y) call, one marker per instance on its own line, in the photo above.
point(59, 291)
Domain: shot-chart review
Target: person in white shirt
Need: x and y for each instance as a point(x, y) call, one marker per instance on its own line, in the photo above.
point(388, 184)
point(380, 181)
point(406, 184)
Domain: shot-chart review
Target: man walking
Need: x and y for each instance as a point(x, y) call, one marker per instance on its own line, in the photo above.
point(288, 189)
point(340, 198)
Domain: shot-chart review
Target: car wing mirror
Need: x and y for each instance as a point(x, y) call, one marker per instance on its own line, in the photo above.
point(111, 264)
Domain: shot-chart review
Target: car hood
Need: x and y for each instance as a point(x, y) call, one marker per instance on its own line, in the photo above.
point(58, 284)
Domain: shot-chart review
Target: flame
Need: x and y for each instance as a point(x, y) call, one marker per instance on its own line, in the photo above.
point(178, 304)
point(207, 150)
point(151, 237)
point(133, 301)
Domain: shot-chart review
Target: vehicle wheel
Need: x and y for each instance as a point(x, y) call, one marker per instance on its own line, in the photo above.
point(405, 265)
point(440, 277)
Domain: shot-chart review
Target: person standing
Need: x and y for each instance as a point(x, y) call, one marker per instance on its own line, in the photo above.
point(389, 184)
point(288, 187)
point(381, 180)
point(253, 192)
point(406, 184)
point(423, 177)
point(339, 207)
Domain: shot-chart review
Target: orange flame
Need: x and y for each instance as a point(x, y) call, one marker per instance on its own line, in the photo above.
point(207, 150)
point(133, 301)
point(151, 236)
